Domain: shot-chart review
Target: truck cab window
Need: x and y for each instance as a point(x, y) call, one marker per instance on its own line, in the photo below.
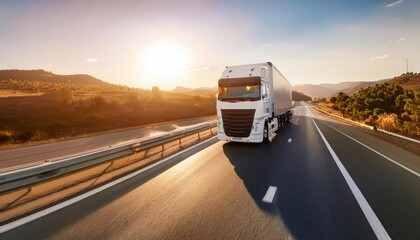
point(240, 93)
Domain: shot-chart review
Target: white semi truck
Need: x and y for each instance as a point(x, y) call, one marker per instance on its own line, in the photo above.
point(253, 102)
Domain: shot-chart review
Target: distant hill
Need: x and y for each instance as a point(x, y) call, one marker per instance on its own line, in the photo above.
point(44, 76)
point(331, 89)
point(358, 85)
point(203, 90)
point(409, 81)
point(314, 91)
point(298, 96)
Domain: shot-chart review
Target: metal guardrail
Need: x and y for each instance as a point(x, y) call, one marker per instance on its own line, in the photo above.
point(56, 167)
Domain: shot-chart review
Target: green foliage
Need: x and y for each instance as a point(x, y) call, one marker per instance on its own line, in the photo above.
point(383, 100)
point(298, 96)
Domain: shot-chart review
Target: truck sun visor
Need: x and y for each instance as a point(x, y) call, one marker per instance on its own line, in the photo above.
point(245, 81)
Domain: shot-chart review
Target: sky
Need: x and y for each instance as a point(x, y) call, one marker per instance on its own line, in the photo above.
point(188, 43)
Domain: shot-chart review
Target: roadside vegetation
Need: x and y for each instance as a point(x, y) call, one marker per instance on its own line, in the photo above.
point(37, 109)
point(388, 106)
point(298, 96)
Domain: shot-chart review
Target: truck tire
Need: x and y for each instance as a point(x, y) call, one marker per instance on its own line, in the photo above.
point(265, 134)
point(289, 118)
point(278, 124)
point(281, 122)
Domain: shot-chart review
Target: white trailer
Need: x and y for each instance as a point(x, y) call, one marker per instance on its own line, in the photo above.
point(253, 102)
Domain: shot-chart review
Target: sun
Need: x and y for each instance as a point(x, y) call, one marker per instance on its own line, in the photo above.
point(165, 61)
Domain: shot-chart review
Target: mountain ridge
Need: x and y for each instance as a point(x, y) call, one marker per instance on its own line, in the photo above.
point(331, 89)
point(44, 76)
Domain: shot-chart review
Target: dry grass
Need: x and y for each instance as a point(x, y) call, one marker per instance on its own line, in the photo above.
point(55, 115)
point(14, 93)
point(328, 108)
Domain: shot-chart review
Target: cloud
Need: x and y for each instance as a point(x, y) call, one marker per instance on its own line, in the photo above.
point(378, 57)
point(401, 39)
point(201, 68)
point(91, 60)
point(393, 3)
point(197, 68)
point(265, 45)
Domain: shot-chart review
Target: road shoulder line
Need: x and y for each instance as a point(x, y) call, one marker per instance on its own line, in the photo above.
point(370, 215)
point(373, 150)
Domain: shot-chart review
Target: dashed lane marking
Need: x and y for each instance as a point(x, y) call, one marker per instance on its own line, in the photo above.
point(269, 196)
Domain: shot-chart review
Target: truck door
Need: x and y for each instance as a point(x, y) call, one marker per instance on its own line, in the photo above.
point(265, 98)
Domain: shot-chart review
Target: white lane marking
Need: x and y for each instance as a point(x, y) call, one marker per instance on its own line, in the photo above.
point(71, 201)
point(370, 215)
point(373, 150)
point(269, 195)
point(290, 140)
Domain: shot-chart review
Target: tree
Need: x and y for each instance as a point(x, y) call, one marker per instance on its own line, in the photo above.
point(156, 94)
point(342, 97)
point(65, 95)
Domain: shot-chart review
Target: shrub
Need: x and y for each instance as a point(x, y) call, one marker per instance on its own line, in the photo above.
point(23, 136)
point(4, 137)
point(39, 135)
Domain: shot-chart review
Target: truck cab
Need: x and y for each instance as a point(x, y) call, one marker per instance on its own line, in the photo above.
point(246, 109)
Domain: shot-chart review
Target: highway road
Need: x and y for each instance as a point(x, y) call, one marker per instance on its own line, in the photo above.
point(61, 149)
point(318, 179)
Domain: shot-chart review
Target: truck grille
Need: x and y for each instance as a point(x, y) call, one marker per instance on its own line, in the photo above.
point(237, 123)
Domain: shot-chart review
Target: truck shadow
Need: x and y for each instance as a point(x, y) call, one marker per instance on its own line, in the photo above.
point(252, 166)
point(259, 167)
point(309, 199)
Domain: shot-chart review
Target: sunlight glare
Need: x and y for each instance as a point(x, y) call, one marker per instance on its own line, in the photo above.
point(165, 60)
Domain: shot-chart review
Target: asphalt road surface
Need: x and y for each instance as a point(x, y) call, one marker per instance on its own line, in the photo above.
point(292, 188)
point(42, 152)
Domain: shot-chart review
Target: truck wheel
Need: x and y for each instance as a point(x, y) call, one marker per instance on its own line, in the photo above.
point(265, 136)
point(281, 123)
point(278, 124)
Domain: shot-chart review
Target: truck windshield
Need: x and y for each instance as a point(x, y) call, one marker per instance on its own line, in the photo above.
point(240, 93)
